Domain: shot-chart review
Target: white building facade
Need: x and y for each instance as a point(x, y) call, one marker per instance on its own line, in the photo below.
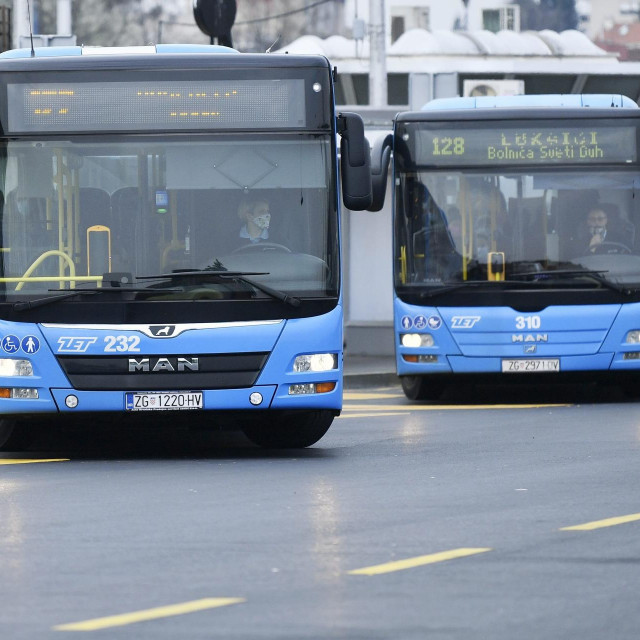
point(437, 15)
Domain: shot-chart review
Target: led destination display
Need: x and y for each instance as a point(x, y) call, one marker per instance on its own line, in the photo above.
point(144, 106)
point(526, 145)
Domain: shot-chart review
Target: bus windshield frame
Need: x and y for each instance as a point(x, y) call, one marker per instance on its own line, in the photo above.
point(184, 175)
point(493, 208)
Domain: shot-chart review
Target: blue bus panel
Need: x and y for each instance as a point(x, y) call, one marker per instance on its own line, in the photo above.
point(517, 240)
point(171, 239)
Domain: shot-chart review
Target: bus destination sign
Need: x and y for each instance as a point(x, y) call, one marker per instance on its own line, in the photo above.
point(146, 106)
point(526, 145)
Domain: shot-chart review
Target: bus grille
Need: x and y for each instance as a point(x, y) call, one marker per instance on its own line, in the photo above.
point(113, 373)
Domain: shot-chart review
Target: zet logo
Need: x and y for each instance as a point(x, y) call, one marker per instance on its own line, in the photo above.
point(71, 344)
point(464, 322)
point(162, 330)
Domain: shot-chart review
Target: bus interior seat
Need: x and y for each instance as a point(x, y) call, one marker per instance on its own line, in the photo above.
point(216, 212)
point(615, 220)
point(532, 216)
point(95, 207)
point(570, 210)
point(26, 220)
point(125, 203)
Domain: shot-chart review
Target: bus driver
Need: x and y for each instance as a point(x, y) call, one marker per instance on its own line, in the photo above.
point(256, 218)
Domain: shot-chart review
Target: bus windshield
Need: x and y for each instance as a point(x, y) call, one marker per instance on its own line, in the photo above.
point(77, 207)
point(518, 221)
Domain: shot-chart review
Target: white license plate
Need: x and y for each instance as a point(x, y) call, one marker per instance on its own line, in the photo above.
point(531, 365)
point(164, 401)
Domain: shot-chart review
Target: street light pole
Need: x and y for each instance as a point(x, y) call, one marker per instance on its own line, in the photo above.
point(63, 17)
point(377, 54)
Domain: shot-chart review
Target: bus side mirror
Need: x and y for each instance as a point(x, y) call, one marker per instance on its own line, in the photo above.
point(380, 156)
point(355, 163)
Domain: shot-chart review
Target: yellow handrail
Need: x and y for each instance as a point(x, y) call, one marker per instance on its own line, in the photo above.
point(54, 279)
point(38, 261)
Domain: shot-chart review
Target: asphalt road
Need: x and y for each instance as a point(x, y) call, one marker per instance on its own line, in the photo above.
point(404, 522)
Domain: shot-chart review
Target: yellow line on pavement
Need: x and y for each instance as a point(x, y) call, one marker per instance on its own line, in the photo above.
point(600, 524)
point(18, 461)
point(444, 407)
point(410, 563)
point(148, 614)
point(375, 415)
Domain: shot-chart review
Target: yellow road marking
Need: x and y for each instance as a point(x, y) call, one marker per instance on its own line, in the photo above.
point(148, 614)
point(375, 415)
point(599, 524)
point(356, 395)
point(410, 563)
point(444, 407)
point(18, 461)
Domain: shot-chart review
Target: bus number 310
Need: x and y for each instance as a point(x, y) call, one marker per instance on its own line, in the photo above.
point(527, 322)
point(448, 146)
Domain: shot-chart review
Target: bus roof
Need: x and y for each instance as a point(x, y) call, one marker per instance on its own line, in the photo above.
point(50, 52)
point(600, 101)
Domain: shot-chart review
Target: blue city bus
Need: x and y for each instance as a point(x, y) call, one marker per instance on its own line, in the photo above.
point(132, 284)
point(516, 240)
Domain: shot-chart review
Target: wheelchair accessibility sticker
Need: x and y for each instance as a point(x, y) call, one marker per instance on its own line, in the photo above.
point(12, 344)
point(421, 322)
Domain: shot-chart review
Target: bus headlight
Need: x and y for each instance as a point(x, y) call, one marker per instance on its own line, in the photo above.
point(315, 362)
point(633, 336)
point(415, 340)
point(10, 368)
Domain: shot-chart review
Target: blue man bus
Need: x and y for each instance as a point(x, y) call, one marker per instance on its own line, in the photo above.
point(516, 240)
point(131, 282)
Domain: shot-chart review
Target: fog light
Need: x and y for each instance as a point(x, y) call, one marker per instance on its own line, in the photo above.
point(633, 336)
point(424, 359)
point(71, 401)
point(315, 362)
point(415, 340)
point(301, 389)
point(325, 387)
point(10, 368)
point(255, 398)
point(24, 393)
point(631, 355)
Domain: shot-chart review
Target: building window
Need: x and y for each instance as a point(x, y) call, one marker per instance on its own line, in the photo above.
point(501, 19)
point(407, 18)
point(398, 89)
point(397, 27)
point(352, 88)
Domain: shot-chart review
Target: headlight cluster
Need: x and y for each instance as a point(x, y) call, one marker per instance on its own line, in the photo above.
point(315, 362)
point(415, 340)
point(10, 368)
point(633, 337)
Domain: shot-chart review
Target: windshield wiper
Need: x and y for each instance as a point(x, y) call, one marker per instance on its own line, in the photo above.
point(228, 275)
point(595, 275)
point(436, 291)
point(25, 305)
